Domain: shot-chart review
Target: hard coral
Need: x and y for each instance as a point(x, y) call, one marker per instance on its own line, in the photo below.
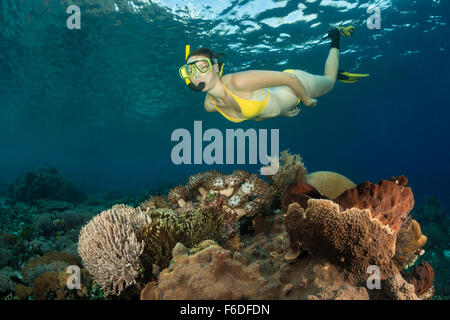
point(242, 193)
point(291, 168)
point(352, 238)
point(211, 273)
point(110, 249)
point(169, 227)
point(388, 201)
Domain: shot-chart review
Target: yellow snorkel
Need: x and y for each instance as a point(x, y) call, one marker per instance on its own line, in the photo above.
point(201, 85)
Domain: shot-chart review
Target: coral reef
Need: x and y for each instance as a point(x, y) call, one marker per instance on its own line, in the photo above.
point(109, 247)
point(45, 182)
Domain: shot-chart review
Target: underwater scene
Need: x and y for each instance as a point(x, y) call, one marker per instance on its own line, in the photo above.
point(224, 150)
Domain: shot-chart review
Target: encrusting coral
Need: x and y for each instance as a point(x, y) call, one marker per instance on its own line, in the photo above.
point(211, 273)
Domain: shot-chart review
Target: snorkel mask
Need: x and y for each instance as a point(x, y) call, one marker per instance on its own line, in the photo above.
point(195, 68)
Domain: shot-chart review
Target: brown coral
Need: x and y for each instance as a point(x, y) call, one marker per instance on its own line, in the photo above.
point(299, 192)
point(388, 201)
point(291, 168)
point(410, 241)
point(48, 258)
point(211, 273)
point(352, 238)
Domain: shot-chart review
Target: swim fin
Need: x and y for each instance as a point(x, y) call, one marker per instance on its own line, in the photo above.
point(347, 77)
point(347, 31)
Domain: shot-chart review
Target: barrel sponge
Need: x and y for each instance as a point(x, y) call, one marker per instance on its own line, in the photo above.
point(328, 183)
point(351, 238)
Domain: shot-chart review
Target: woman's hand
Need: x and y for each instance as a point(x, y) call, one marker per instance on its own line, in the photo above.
point(310, 102)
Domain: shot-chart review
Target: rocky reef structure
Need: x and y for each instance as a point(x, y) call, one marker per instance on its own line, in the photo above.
point(218, 237)
point(44, 183)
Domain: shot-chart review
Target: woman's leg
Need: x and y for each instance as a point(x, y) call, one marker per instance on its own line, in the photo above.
point(315, 85)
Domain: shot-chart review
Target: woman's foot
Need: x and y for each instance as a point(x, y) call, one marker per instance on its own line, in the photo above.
point(335, 35)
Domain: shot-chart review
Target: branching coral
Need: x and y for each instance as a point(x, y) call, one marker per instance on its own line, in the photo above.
point(109, 247)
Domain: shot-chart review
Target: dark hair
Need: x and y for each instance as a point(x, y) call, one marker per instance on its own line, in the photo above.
point(206, 52)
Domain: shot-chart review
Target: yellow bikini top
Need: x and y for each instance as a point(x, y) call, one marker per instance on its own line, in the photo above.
point(249, 108)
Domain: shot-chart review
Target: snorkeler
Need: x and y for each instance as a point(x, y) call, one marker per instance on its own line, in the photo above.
point(246, 95)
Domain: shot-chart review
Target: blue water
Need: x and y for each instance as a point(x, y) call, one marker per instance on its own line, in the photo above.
point(100, 103)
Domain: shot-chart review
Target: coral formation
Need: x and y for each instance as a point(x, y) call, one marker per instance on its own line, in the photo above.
point(212, 273)
point(422, 277)
point(291, 168)
point(410, 241)
point(109, 247)
point(328, 183)
point(169, 227)
point(45, 182)
point(352, 238)
point(397, 288)
point(299, 192)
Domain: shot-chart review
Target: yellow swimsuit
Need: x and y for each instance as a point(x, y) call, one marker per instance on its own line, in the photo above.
point(249, 108)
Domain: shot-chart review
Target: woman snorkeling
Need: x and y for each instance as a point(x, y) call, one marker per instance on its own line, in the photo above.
point(260, 94)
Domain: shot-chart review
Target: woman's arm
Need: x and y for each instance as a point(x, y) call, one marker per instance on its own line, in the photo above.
point(259, 79)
